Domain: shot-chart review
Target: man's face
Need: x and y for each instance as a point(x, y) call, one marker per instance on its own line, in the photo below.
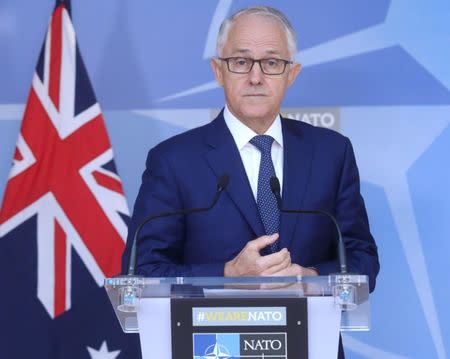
point(255, 97)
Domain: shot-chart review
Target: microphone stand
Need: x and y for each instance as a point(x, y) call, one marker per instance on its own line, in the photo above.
point(130, 294)
point(344, 291)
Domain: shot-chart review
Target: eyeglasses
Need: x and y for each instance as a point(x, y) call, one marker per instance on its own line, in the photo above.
point(243, 65)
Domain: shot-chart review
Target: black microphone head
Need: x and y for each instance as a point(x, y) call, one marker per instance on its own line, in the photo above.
point(222, 183)
point(275, 185)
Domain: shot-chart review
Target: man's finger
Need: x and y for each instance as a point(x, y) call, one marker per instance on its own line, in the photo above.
point(278, 267)
point(293, 270)
point(274, 258)
point(282, 273)
point(263, 241)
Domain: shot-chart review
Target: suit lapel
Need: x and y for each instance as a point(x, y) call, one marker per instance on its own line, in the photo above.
point(296, 172)
point(224, 158)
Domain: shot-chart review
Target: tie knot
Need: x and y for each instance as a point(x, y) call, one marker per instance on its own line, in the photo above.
point(262, 143)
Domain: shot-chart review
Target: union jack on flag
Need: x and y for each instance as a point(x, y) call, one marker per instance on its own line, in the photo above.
point(63, 220)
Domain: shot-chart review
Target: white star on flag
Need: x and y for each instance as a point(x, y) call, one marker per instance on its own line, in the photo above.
point(103, 352)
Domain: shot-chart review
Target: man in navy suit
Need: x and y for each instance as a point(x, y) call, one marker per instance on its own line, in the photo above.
point(316, 168)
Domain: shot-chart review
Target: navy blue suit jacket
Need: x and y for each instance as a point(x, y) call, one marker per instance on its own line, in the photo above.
point(319, 172)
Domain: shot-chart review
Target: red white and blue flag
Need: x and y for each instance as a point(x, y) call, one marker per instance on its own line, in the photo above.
point(63, 220)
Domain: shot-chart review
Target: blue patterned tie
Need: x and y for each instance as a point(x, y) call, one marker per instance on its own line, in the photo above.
point(266, 201)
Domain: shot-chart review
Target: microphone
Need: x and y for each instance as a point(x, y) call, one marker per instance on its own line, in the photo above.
point(276, 189)
point(221, 185)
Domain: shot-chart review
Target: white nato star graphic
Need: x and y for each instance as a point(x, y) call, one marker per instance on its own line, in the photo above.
point(216, 351)
point(399, 28)
point(386, 162)
point(103, 352)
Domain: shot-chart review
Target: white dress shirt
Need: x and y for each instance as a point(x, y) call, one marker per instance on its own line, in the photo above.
point(250, 155)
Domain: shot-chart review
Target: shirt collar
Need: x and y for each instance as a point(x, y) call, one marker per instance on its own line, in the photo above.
point(243, 134)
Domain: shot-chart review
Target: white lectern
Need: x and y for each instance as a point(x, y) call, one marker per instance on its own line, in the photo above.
point(248, 317)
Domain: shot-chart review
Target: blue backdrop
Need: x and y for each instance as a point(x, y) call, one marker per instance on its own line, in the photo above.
point(378, 71)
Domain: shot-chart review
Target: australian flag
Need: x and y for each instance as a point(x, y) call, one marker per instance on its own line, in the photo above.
point(63, 220)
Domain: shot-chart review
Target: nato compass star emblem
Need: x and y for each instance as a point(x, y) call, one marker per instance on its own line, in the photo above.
point(399, 28)
point(217, 351)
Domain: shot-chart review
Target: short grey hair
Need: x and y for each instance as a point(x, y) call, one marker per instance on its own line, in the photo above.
point(267, 11)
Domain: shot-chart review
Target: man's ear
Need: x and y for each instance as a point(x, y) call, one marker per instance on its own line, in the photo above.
point(293, 73)
point(217, 69)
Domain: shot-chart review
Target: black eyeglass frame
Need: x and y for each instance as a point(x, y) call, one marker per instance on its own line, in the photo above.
point(227, 60)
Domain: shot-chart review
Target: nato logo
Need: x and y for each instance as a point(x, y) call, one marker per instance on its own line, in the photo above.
point(213, 345)
point(239, 345)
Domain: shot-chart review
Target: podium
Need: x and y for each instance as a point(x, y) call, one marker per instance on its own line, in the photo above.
point(245, 317)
